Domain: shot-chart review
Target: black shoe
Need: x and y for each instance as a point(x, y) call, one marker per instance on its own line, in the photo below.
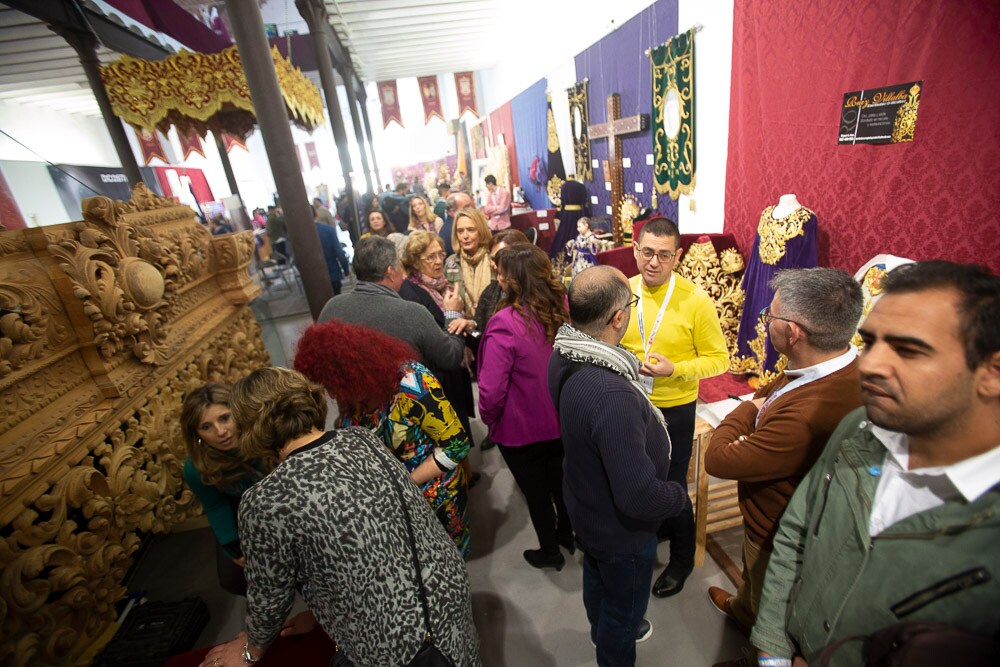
point(568, 543)
point(539, 560)
point(670, 582)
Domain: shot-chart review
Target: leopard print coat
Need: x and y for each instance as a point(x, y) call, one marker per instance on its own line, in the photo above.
point(328, 523)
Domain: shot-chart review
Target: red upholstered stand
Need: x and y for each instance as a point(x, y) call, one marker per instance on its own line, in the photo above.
point(313, 649)
point(544, 220)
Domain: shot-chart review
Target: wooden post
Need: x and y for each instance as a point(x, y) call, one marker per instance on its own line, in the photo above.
point(272, 117)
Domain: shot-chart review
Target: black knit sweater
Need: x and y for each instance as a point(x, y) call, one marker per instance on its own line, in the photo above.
point(615, 467)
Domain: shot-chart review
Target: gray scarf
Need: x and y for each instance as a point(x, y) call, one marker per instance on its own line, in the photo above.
point(573, 344)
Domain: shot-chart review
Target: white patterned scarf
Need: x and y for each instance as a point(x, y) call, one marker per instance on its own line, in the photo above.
point(573, 344)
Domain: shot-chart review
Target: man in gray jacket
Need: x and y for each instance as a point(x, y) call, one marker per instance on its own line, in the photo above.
point(375, 303)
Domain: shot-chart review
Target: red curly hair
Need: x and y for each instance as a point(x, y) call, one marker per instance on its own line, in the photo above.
point(358, 366)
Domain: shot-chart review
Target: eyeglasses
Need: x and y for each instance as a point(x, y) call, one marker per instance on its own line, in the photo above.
point(664, 255)
point(766, 317)
point(628, 306)
point(433, 257)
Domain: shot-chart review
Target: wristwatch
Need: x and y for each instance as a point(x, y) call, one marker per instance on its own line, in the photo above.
point(247, 655)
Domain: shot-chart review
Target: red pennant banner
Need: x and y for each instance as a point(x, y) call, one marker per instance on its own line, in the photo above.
point(313, 155)
point(466, 87)
point(430, 95)
point(191, 143)
point(389, 98)
point(151, 147)
point(229, 141)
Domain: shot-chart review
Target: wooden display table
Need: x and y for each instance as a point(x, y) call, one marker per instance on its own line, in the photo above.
point(544, 220)
point(715, 505)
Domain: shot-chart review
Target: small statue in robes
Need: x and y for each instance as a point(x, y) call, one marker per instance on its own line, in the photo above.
point(574, 203)
point(581, 252)
point(786, 239)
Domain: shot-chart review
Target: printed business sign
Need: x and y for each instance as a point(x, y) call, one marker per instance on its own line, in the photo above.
point(880, 115)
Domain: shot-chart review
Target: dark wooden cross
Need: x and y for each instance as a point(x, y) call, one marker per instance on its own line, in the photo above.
point(613, 130)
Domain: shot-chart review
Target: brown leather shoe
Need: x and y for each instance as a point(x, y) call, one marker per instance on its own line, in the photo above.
point(722, 600)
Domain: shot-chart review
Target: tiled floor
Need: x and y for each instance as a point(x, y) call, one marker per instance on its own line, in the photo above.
point(525, 617)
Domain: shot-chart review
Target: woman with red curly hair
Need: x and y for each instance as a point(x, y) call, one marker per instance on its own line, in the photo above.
point(377, 384)
point(514, 399)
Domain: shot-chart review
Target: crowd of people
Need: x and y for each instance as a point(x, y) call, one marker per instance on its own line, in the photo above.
point(868, 481)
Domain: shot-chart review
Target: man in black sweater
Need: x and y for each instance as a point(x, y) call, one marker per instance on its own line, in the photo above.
point(616, 462)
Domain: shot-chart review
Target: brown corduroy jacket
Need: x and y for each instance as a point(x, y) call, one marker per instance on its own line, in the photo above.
point(780, 450)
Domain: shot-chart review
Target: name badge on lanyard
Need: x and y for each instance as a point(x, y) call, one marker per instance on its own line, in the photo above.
point(647, 342)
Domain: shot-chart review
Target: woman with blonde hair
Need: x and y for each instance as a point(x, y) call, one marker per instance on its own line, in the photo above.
point(339, 522)
point(469, 268)
point(422, 217)
point(218, 474)
point(514, 399)
point(423, 261)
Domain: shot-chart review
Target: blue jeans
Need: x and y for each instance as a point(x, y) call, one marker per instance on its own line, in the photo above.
point(615, 594)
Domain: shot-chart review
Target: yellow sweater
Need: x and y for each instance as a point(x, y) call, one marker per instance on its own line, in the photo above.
point(690, 336)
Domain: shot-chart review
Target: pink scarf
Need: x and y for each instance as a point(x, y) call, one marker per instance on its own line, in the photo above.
point(433, 286)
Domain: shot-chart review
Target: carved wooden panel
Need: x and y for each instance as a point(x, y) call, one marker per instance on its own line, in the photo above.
point(104, 325)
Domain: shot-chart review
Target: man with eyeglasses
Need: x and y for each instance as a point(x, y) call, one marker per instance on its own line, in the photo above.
point(896, 526)
point(675, 332)
point(770, 443)
point(617, 461)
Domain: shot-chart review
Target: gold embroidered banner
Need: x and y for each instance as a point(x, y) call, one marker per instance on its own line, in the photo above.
point(390, 103)
point(151, 147)
point(466, 87)
point(673, 115)
point(579, 119)
point(431, 97)
point(204, 92)
point(190, 143)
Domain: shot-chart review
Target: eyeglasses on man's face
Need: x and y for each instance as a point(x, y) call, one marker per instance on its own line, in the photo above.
point(664, 255)
point(766, 317)
point(628, 306)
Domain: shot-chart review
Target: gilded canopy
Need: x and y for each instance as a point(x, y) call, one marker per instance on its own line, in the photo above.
point(202, 91)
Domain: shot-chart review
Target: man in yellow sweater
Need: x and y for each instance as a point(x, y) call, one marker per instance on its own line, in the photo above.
point(675, 332)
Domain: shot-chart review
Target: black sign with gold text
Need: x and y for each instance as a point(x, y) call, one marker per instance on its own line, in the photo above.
point(880, 115)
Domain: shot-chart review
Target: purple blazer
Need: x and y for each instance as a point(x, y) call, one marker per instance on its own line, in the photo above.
point(513, 367)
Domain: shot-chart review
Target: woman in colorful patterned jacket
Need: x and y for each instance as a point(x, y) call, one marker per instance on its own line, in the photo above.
point(378, 385)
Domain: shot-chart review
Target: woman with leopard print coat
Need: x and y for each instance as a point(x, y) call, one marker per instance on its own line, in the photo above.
point(330, 522)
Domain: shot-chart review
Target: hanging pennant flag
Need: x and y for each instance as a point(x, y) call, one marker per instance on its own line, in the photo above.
point(673, 115)
point(151, 147)
point(556, 170)
point(190, 142)
point(579, 120)
point(466, 93)
point(313, 155)
point(430, 96)
point(229, 141)
point(390, 103)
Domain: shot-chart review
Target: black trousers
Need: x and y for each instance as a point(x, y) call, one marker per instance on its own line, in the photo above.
point(680, 529)
point(537, 469)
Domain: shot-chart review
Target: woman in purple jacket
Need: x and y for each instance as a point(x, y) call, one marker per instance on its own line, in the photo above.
point(514, 397)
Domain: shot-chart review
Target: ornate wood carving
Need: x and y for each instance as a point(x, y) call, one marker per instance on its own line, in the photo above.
point(104, 325)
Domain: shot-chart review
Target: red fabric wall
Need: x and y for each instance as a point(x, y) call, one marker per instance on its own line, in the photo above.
point(502, 122)
point(10, 214)
point(937, 197)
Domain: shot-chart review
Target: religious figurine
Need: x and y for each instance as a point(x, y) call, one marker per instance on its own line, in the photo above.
point(581, 252)
point(574, 205)
point(786, 238)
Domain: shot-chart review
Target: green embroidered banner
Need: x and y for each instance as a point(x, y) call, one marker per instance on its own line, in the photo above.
point(673, 115)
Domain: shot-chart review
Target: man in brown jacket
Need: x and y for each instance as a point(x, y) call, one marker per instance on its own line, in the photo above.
point(770, 443)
